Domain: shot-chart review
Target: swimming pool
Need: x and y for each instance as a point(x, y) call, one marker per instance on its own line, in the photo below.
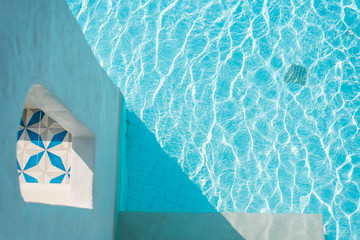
point(209, 80)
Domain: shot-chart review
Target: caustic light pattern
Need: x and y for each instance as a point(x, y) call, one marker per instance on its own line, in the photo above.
point(213, 81)
point(43, 149)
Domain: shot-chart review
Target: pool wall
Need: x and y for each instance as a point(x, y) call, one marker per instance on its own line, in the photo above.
point(42, 45)
point(213, 226)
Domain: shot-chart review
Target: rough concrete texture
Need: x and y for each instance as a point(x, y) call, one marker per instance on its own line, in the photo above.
point(213, 226)
point(42, 43)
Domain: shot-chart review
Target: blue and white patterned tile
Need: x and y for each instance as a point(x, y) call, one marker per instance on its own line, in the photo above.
point(51, 123)
point(55, 161)
point(34, 118)
point(36, 162)
point(43, 149)
point(21, 177)
point(58, 139)
point(39, 176)
point(58, 178)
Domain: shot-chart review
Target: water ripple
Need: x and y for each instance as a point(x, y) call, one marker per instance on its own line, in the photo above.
point(207, 78)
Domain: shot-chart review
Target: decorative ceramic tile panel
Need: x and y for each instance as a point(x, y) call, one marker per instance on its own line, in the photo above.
point(43, 149)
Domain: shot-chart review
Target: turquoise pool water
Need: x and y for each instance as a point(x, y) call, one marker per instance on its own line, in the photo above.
point(210, 80)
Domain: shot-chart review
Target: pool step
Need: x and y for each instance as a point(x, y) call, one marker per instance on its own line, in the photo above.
point(228, 226)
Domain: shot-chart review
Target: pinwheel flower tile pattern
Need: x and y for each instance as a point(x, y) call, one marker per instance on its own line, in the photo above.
point(43, 149)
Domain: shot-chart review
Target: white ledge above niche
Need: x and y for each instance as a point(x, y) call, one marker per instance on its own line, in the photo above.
point(55, 153)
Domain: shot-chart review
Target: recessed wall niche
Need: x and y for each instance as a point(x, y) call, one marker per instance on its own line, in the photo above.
point(55, 153)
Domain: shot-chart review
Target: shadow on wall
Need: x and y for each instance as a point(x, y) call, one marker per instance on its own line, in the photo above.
point(156, 181)
point(175, 226)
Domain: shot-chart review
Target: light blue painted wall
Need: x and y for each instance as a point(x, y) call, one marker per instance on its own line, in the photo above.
point(42, 43)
